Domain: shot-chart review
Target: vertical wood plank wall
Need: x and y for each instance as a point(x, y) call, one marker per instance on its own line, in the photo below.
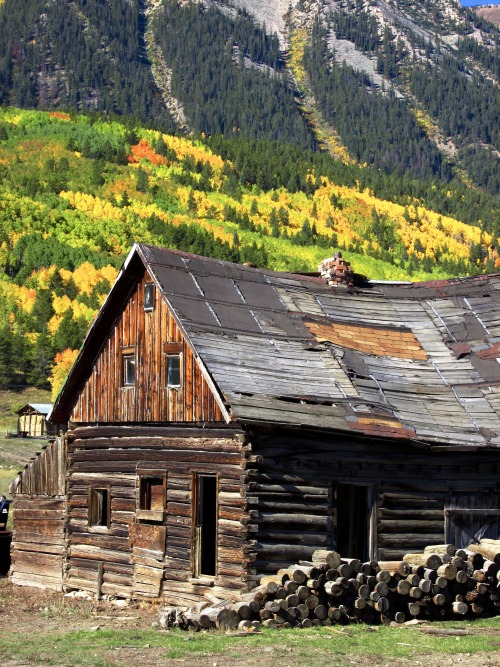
point(145, 333)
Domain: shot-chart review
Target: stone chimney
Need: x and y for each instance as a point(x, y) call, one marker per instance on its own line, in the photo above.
point(336, 271)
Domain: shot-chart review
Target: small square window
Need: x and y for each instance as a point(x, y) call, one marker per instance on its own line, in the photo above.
point(149, 296)
point(151, 498)
point(99, 507)
point(151, 493)
point(173, 370)
point(128, 370)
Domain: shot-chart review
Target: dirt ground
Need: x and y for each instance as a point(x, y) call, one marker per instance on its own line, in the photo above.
point(33, 612)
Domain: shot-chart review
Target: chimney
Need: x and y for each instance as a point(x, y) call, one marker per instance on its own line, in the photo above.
point(336, 271)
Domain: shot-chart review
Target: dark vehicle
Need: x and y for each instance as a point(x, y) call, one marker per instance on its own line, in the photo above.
point(5, 536)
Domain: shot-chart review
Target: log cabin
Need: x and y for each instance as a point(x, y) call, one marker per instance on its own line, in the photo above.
point(226, 421)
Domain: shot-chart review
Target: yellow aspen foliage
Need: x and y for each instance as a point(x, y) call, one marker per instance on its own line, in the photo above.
point(86, 277)
point(53, 324)
point(26, 298)
point(218, 232)
point(81, 310)
point(147, 210)
point(61, 304)
point(298, 42)
point(109, 273)
point(31, 338)
point(41, 278)
point(199, 152)
point(63, 362)
point(65, 274)
point(93, 206)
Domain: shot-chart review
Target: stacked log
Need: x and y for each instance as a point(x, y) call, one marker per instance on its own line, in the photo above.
point(440, 583)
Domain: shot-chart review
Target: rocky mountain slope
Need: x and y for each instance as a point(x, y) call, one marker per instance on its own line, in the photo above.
point(408, 88)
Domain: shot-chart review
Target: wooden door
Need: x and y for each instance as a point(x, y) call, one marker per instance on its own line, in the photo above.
point(205, 525)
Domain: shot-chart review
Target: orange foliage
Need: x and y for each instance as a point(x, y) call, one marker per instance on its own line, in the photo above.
point(142, 151)
point(59, 115)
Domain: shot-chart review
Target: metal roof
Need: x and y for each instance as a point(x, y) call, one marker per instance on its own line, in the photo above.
point(42, 408)
point(412, 361)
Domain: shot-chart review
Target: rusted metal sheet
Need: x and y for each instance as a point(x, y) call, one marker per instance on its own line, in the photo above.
point(145, 536)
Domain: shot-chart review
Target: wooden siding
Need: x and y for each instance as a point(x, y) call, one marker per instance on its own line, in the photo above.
point(150, 335)
point(131, 558)
point(291, 499)
point(39, 542)
point(45, 474)
point(39, 511)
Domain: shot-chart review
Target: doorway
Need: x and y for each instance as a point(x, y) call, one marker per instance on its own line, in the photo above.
point(205, 525)
point(352, 516)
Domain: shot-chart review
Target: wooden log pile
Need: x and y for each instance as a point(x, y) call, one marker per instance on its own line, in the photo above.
point(441, 583)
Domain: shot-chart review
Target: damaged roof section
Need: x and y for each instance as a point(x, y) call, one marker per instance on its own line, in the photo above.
point(412, 361)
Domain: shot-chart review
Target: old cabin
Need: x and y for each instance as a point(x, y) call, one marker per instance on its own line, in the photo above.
point(226, 421)
point(32, 421)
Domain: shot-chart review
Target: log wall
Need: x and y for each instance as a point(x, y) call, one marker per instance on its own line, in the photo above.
point(39, 541)
point(132, 558)
point(39, 511)
point(291, 494)
point(150, 335)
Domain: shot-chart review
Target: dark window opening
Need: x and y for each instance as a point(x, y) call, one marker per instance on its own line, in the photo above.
point(99, 507)
point(206, 525)
point(174, 370)
point(149, 296)
point(469, 518)
point(128, 370)
point(151, 493)
point(352, 521)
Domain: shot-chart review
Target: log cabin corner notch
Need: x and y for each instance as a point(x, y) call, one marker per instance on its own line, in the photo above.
point(226, 421)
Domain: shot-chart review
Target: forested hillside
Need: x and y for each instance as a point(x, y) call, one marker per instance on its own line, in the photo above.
point(411, 89)
point(77, 191)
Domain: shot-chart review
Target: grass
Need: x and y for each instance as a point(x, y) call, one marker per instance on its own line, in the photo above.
point(43, 627)
point(16, 452)
point(11, 400)
point(322, 646)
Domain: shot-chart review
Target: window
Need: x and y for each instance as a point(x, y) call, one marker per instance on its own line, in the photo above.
point(151, 497)
point(99, 507)
point(173, 370)
point(128, 370)
point(149, 296)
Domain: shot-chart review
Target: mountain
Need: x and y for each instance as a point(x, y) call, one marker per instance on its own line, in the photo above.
point(409, 89)
point(489, 12)
point(269, 132)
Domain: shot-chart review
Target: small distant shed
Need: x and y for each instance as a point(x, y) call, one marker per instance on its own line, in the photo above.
point(32, 422)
